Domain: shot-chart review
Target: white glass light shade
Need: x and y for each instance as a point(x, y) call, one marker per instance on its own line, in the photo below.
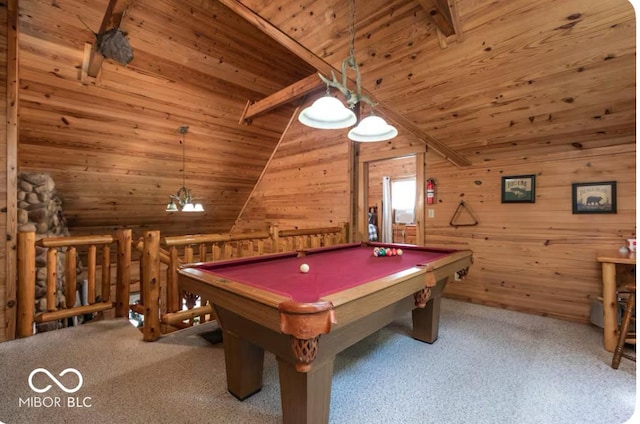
point(198, 207)
point(372, 128)
point(188, 207)
point(171, 207)
point(327, 113)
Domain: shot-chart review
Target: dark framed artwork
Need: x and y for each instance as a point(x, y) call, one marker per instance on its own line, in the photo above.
point(594, 197)
point(519, 189)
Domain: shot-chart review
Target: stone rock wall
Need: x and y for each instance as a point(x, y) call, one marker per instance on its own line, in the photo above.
point(40, 210)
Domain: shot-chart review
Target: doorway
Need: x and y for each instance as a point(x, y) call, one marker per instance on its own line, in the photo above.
point(403, 220)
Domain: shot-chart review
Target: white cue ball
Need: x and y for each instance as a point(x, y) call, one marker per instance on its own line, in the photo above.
point(304, 268)
point(399, 252)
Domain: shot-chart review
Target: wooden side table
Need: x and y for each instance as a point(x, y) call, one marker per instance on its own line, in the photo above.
point(609, 259)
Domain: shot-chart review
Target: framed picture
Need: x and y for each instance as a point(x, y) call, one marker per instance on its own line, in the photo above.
point(594, 197)
point(519, 189)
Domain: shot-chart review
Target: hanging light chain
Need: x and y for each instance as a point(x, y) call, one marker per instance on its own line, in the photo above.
point(352, 29)
point(183, 196)
point(183, 130)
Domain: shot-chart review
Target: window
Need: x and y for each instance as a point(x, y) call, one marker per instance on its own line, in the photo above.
point(403, 200)
point(403, 194)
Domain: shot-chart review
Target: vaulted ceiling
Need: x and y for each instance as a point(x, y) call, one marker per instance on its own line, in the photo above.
point(511, 78)
point(476, 80)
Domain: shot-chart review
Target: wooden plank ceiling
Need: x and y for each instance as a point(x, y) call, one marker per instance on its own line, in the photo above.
point(517, 78)
point(477, 80)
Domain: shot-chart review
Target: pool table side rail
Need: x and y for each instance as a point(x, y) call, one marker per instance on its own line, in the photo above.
point(225, 263)
point(262, 308)
point(265, 306)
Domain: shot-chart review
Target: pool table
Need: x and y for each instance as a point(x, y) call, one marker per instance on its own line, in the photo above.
point(305, 319)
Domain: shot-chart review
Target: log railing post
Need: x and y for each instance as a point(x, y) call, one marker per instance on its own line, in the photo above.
point(173, 295)
point(275, 238)
point(123, 272)
point(150, 281)
point(26, 283)
point(344, 234)
point(106, 274)
point(70, 283)
point(91, 274)
point(52, 262)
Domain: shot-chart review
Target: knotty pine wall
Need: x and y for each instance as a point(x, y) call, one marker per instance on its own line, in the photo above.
point(3, 181)
point(306, 183)
point(536, 258)
point(111, 144)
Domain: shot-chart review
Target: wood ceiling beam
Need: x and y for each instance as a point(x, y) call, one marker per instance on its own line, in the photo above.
point(296, 90)
point(323, 67)
point(440, 15)
point(112, 18)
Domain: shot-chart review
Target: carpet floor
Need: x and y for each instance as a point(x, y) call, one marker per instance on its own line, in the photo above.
point(488, 366)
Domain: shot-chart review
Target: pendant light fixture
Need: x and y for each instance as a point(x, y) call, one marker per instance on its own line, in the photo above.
point(182, 200)
point(330, 113)
point(372, 128)
point(327, 113)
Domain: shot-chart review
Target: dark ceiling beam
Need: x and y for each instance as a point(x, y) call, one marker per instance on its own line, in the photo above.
point(296, 90)
point(323, 67)
point(111, 19)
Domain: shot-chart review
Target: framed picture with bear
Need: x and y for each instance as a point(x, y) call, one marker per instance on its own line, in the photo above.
point(597, 197)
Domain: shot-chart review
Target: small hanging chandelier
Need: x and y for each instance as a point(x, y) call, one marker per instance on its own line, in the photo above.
point(182, 200)
point(329, 113)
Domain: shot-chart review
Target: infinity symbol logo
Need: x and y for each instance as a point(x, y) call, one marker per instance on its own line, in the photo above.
point(55, 380)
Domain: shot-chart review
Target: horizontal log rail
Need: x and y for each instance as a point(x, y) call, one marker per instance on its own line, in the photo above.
point(297, 239)
point(69, 246)
point(163, 304)
point(213, 247)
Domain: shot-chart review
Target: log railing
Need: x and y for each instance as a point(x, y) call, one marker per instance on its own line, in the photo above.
point(27, 243)
point(163, 304)
point(297, 239)
point(175, 307)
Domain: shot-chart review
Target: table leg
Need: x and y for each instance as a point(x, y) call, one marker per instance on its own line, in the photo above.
point(244, 364)
point(609, 306)
point(305, 395)
point(427, 320)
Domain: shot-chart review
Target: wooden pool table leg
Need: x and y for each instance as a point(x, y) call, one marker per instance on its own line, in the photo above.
point(305, 395)
point(244, 364)
point(426, 321)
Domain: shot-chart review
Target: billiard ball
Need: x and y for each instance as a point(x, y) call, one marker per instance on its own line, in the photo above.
point(399, 252)
point(304, 268)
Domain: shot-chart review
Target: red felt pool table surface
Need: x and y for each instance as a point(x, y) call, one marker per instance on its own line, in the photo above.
point(330, 271)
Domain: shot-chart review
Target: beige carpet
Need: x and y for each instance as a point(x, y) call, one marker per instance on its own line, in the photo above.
point(489, 366)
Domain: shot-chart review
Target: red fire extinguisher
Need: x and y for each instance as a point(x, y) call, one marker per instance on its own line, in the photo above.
point(431, 191)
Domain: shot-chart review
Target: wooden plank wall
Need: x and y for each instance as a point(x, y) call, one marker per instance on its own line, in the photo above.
point(535, 257)
point(306, 184)
point(3, 174)
point(112, 145)
point(525, 83)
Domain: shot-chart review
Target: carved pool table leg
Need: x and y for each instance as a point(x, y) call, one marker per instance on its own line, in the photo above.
point(244, 364)
point(427, 320)
point(305, 395)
